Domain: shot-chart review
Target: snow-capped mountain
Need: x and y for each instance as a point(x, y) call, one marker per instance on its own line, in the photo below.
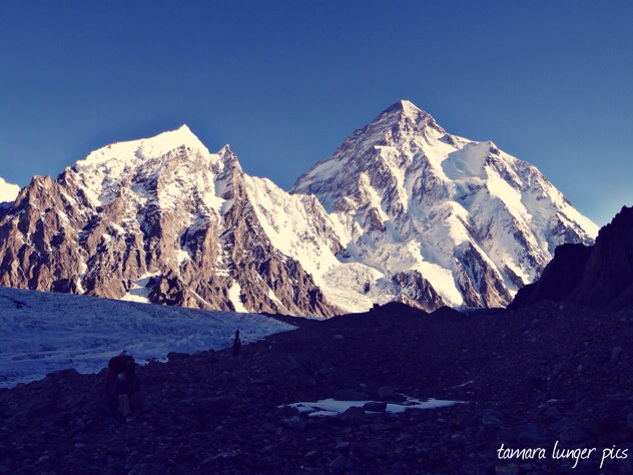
point(402, 211)
point(438, 218)
point(8, 191)
point(159, 219)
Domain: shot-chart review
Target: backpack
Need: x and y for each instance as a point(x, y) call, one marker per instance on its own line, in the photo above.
point(116, 365)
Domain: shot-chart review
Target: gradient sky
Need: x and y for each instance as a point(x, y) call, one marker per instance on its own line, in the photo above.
point(284, 82)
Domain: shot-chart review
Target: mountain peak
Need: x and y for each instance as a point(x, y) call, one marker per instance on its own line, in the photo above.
point(404, 105)
point(405, 113)
point(486, 221)
point(155, 146)
point(172, 139)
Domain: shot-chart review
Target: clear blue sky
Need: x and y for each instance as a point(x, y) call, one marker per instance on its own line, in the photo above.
point(284, 82)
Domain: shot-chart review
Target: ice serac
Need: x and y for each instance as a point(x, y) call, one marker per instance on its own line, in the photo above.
point(159, 219)
point(431, 218)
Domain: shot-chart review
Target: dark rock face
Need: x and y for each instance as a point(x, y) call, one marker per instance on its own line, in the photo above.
point(480, 284)
point(559, 277)
point(599, 276)
point(36, 233)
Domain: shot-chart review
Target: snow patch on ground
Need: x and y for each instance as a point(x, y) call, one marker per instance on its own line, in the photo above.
point(333, 407)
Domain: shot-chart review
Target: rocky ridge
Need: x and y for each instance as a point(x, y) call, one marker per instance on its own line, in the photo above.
point(530, 378)
point(597, 276)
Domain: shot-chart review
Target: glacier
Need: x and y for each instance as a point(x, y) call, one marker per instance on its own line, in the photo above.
point(44, 332)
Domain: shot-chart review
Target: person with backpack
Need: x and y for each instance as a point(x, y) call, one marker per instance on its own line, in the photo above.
point(124, 387)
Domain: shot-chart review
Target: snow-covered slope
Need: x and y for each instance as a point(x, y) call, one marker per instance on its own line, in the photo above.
point(44, 332)
point(8, 191)
point(439, 218)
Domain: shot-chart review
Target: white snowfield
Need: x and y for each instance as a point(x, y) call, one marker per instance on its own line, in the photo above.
point(41, 332)
point(8, 191)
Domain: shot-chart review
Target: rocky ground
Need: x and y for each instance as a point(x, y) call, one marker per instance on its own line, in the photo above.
point(529, 379)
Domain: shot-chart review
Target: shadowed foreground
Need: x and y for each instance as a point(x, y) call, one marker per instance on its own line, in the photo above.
point(530, 378)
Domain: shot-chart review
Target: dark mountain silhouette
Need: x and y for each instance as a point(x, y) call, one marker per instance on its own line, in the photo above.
point(598, 276)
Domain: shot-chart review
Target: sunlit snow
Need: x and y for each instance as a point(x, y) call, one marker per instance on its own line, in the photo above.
point(139, 291)
point(8, 191)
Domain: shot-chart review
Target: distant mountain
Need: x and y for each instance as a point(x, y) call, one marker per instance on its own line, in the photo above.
point(403, 211)
point(440, 219)
point(8, 191)
point(598, 276)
